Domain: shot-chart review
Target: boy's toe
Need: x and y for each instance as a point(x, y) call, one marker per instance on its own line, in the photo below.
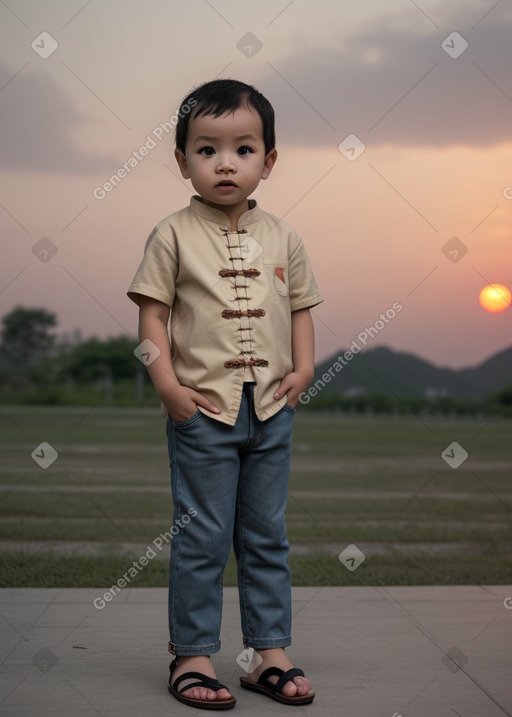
point(203, 693)
point(200, 693)
point(290, 689)
point(303, 685)
point(223, 694)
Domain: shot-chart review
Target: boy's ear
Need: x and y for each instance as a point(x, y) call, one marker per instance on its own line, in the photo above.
point(270, 160)
point(182, 163)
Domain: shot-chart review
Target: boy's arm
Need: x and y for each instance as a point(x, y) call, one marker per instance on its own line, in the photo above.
point(180, 401)
point(303, 351)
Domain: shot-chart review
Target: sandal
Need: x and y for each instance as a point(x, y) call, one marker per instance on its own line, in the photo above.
point(202, 681)
point(276, 691)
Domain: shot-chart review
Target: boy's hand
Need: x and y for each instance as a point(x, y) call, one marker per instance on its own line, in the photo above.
point(293, 384)
point(182, 403)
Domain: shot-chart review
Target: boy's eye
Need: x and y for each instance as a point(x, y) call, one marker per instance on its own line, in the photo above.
point(208, 151)
point(244, 150)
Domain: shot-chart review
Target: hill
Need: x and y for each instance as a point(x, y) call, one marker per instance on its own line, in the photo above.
point(382, 370)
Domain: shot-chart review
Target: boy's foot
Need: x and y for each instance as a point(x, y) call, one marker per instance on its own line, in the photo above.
point(276, 657)
point(197, 663)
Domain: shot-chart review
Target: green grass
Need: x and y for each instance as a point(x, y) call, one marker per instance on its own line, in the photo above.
point(19, 569)
point(380, 484)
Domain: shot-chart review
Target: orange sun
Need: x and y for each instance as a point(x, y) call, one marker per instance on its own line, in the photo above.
point(495, 298)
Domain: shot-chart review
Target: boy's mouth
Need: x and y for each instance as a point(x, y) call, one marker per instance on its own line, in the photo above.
point(226, 183)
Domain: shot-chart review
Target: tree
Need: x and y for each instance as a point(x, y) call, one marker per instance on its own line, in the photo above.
point(25, 336)
point(94, 359)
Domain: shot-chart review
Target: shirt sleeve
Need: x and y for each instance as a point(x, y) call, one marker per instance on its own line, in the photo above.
point(304, 291)
point(156, 275)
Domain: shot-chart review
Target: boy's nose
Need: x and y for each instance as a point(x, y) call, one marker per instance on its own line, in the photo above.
point(226, 164)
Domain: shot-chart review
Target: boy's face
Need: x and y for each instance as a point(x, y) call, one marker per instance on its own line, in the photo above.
point(225, 158)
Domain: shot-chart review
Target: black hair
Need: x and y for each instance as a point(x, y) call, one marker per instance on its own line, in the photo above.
point(218, 97)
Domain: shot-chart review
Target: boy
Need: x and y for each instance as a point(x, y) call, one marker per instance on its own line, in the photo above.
point(240, 353)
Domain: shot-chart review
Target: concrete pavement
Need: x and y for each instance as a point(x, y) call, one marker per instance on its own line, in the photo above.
point(383, 652)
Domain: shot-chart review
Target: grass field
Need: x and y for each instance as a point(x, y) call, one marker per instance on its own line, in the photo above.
point(379, 484)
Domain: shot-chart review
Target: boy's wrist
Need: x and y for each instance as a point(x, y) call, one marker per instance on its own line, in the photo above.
point(169, 390)
point(306, 373)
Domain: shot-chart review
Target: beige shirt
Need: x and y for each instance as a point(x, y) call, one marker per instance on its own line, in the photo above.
point(231, 295)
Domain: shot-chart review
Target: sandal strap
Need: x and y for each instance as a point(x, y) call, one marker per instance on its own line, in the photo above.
point(263, 678)
point(287, 677)
point(203, 681)
point(284, 677)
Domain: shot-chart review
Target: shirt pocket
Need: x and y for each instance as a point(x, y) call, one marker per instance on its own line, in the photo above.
point(276, 271)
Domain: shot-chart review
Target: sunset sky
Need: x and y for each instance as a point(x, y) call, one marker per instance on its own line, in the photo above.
point(434, 115)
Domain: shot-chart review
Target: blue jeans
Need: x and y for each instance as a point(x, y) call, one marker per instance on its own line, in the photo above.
point(233, 483)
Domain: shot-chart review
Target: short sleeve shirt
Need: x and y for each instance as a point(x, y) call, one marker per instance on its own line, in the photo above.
point(231, 295)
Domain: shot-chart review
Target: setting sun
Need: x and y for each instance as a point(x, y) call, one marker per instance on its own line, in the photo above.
point(495, 298)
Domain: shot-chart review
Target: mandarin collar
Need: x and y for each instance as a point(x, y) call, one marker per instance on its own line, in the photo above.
point(197, 205)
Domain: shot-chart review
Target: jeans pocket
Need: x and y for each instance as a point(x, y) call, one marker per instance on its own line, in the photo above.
point(289, 408)
point(188, 421)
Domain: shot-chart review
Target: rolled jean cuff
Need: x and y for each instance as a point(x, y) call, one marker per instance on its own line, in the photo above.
point(267, 643)
point(208, 649)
